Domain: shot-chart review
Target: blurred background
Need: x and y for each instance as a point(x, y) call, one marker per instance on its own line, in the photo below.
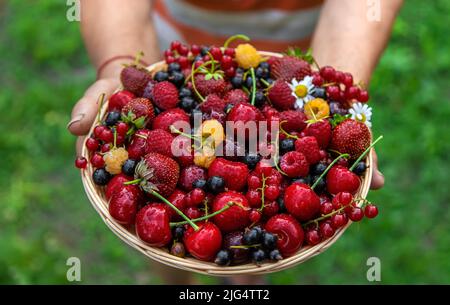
point(45, 216)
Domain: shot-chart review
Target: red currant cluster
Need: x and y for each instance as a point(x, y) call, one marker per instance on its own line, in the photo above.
point(340, 86)
point(336, 214)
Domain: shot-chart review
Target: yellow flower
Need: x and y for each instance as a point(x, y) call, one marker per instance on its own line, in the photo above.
point(317, 109)
point(247, 56)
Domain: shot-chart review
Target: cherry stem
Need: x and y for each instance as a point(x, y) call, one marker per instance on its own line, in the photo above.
point(365, 153)
point(229, 205)
point(194, 71)
point(252, 72)
point(234, 37)
point(245, 246)
point(189, 221)
point(264, 82)
point(262, 192)
point(101, 100)
point(328, 168)
point(287, 134)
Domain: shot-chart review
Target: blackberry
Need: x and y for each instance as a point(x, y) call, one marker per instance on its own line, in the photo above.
point(249, 82)
point(101, 176)
point(128, 167)
point(161, 76)
point(112, 118)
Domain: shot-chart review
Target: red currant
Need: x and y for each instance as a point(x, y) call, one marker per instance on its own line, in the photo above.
point(271, 208)
point(206, 58)
point(338, 220)
point(341, 97)
point(333, 92)
point(97, 161)
point(326, 208)
point(105, 147)
point(352, 93)
point(348, 80)
point(339, 76)
point(183, 61)
point(317, 80)
point(92, 144)
point(195, 49)
point(355, 214)
point(226, 62)
point(255, 216)
point(342, 199)
point(170, 59)
point(107, 136)
point(98, 130)
point(371, 211)
point(122, 128)
point(81, 162)
point(326, 229)
point(229, 52)
point(254, 198)
point(175, 45)
point(253, 182)
point(216, 53)
point(328, 73)
point(193, 212)
point(196, 196)
point(230, 72)
point(363, 96)
point(168, 53)
point(198, 63)
point(120, 139)
point(313, 237)
point(183, 50)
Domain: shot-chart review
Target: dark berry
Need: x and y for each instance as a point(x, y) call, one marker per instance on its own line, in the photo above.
point(128, 167)
point(249, 82)
point(275, 255)
point(287, 145)
point(112, 118)
point(185, 92)
point(177, 79)
point(187, 103)
point(101, 176)
point(318, 169)
point(262, 73)
point(360, 168)
point(173, 67)
point(216, 184)
point(239, 71)
point(178, 232)
point(260, 98)
point(223, 258)
point(156, 110)
point(258, 256)
point(199, 184)
point(178, 249)
point(251, 160)
point(237, 81)
point(321, 185)
point(320, 93)
point(270, 80)
point(252, 236)
point(269, 241)
point(336, 108)
point(161, 76)
point(304, 180)
point(281, 205)
point(204, 51)
point(264, 65)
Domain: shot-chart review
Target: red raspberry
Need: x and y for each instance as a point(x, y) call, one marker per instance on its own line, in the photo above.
point(295, 120)
point(213, 103)
point(280, 94)
point(159, 141)
point(165, 95)
point(294, 164)
point(190, 174)
point(310, 148)
point(236, 96)
point(168, 118)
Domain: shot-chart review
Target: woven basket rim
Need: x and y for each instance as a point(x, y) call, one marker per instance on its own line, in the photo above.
point(95, 195)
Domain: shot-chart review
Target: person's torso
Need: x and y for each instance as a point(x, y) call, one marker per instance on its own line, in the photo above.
point(271, 24)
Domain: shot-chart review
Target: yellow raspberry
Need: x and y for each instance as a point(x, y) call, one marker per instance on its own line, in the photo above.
point(205, 158)
point(212, 133)
point(247, 56)
point(317, 109)
point(114, 159)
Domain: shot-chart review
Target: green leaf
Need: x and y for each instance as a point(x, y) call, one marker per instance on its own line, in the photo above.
point(208, 76)
point(337, 119)
point(140, 122)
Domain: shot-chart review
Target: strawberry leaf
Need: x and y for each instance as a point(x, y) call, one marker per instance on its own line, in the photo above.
point(208, 76)
point(337, 119)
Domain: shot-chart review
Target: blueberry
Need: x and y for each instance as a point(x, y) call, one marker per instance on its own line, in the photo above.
point(112, 118)
point(264, 65)
point(251, 160)
point(239, 71)
point(287, 145)
point(249, 82)
point(304, 180)
point(260, 98)
point(178, 232)
point(198, 57)
point(237, 81)
point(199, 184)
point(228, 108)
point(185, 92)
point(269, 241)
point(320, 93)
point(258, 256)
point(174, 67)
point(128, 167)
point(270, 80)
point(216, 184)
point(318, 169)
point(336, 108)
point(275, 255)
point(321, 185)
point(177, 78)
point(253, 236)
point(262, 73)
point(161, 76)
point(187, 103)
point(101, 176)
point(360, 168)
point(204, 51)
point(223, 258)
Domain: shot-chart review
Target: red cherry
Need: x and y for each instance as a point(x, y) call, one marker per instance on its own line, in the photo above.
point(363, 96)
point(124, 204)
point(193, 212)
point(328, 73)
point(183, 61)
point(183, 50)
point(196, 197)
point(230, 52)
point(237, 216)
point(271, 192)
point(177, 199)
point(317, 80)
point(289, 231)
point(301, 201)
point(254, 198)
point(115, 185)
point(216, 53)
point(326, 229)
point(204, 243)
point(122, 128)
point(338, 220)
point(333, 92)
point(226, 62)
point(355, 214)
point(371, 211)
point(195, 49)
point(175, 45)
point(97, 161)
point(152, 225)
point(312, 237)
point(271, 208)
point(81, 162)
point(341, 179)
point(119, 99)
point(326, 208)
point(348, 80)
point(255, 216)
point(92, 144)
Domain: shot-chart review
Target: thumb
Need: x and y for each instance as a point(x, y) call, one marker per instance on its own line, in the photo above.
point(85, 110)
point(377, 176)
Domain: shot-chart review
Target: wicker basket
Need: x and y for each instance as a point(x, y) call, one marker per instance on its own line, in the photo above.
point(97, 197)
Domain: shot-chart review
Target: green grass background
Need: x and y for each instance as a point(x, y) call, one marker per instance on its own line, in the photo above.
point(45, 216)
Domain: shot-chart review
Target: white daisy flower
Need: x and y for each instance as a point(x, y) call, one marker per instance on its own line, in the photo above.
point(362, 113)
point(302, 91)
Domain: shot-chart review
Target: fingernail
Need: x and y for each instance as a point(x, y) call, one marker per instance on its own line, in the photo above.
point(380, 173)
point(75, 119)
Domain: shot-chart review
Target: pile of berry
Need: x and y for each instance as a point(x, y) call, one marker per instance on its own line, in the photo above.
point(165, 179)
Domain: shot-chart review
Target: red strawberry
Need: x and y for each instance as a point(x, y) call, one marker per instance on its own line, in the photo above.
point(245, 112)
point(294, 164)
point(211, 86)
point(287, 67)
point(280, 94)
point(139, 108)
point(213, 103)
point(159, 141)
point(351, 137)
point(234, 173)
point(165, 95)
point(236, 96)
point(189, 175)
point(119, 99)
point(152, 225)
point(295, 120)
point(321, 130)
point(236, 217)
point(310, 148)
point(341, 179)
point(204, 243)
point(124, 204)
point(169, 117)
point(159, 173)
point(115, 184)
point(271, 114)
point(183, 151)
point(289, 231)
point(301, 201)
point(177, 199)
point(135, 79)
point(138, 144)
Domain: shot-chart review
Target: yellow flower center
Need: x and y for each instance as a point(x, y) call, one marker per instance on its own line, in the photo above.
point(301, 91)
point(361, 117)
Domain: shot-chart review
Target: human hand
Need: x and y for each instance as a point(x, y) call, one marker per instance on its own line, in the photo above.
point(377, 176)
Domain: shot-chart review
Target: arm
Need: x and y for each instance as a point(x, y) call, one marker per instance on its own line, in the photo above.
point(344, 33)
point(110, 28)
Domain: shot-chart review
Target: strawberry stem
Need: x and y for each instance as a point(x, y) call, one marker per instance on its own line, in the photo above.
point(135, 181)
point(252, 72)
point(328, 168)
point(262, 188)
point(188, 221)
point(229, 205)
point(235, 37)
point(365, 153)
